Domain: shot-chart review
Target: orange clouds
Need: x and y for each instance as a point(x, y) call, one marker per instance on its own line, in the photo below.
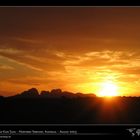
point(70, 48)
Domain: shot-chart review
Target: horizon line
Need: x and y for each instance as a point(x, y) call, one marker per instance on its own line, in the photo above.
point(62, 91)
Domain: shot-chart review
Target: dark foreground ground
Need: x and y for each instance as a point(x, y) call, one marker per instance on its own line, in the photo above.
point(70, 111)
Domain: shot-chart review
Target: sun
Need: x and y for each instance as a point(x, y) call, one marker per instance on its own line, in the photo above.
point(108, 89)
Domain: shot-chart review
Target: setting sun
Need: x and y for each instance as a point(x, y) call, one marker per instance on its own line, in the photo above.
point(108, 89)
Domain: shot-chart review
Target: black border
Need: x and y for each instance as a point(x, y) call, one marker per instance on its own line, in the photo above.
point(69, 3)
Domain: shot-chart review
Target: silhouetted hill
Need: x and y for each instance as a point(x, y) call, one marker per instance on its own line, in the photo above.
point(57, 93)
point(57, 106)
point(54, 93)
point(45, 93)
point(1, 97)
point(31, 93)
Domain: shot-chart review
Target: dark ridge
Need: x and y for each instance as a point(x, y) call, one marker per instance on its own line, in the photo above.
point(63, 107)
point(54, 93)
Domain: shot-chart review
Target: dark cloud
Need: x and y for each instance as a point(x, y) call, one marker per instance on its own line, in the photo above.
point(70, 29)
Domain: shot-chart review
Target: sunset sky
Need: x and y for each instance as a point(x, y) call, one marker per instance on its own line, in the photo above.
point(73, 48)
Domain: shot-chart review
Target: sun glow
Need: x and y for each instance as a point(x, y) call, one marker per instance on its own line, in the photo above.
point(108, 89)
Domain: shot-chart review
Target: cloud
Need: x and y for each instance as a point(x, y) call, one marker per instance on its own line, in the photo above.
point(5, 67)
point(32, 55)
point(101, 58)
point(13, 69)
point(70, 66)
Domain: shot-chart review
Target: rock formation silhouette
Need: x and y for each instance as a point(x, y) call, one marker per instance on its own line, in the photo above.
point(54, 93)
point(57, 106)
point(33, 92)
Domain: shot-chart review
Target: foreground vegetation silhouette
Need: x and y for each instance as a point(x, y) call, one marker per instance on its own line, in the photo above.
point(57, 107)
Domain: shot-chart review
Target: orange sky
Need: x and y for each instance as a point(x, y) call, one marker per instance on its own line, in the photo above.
point(72, 48)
